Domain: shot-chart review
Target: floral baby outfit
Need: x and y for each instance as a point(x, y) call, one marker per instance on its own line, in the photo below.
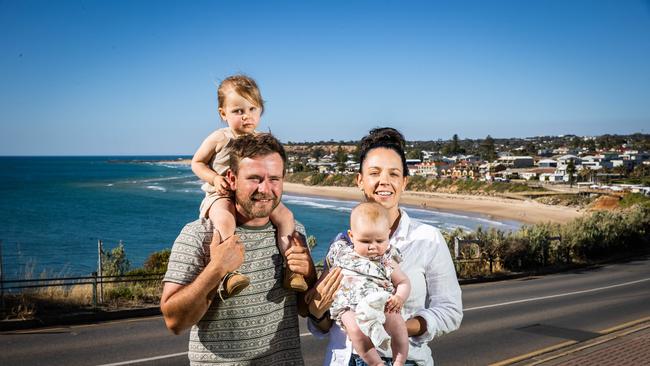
point(361, 275)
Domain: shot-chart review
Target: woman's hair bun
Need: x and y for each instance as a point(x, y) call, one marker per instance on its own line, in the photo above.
point(381, 136)
point(385, 137)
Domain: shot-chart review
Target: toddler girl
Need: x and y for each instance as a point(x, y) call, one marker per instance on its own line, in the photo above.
point(240, 106)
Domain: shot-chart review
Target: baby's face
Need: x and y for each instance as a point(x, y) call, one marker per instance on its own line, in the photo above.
point(241, 115)
point(369, 240)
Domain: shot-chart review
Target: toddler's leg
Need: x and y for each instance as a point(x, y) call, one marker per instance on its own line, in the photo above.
point(222, 215)
point(399, 343)
point(360, 341)
point(282, 218)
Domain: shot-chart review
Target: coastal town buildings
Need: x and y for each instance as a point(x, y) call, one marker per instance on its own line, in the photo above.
point(546, 160)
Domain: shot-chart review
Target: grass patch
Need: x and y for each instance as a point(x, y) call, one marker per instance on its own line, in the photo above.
point(632, 199)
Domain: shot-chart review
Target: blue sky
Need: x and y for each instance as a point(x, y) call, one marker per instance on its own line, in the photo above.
point(138, 77)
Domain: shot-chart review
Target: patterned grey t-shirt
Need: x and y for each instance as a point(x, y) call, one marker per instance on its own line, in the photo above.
point(259, 326)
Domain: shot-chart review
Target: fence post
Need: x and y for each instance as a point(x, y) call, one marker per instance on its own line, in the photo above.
point(94, 290)
point(456, 264)
point(99, 270)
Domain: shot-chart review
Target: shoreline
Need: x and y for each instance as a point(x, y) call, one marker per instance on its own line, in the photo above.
point(527, 212)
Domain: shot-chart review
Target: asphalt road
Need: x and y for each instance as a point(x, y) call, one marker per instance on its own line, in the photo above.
point(502, 320)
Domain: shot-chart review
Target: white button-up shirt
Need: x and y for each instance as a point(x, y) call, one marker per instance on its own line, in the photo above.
point(435, 293)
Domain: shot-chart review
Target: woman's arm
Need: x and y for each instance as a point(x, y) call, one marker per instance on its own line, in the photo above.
point(445, 306)
point(320, 298)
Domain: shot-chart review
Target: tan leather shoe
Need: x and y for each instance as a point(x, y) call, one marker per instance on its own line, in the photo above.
point(294, 281)
point(234, 284)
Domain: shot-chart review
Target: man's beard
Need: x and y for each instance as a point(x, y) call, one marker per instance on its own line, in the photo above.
point(247, 204)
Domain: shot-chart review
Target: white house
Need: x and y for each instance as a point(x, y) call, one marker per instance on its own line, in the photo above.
point(517, 161)
point(547, 163)
point(551, 178)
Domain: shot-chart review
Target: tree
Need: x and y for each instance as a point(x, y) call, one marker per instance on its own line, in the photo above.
point(413, 154)
point(317, 153)
point(575, 142)
point(157, 261)
point(621, 170)
point(591, 145)
point(487, 150)
point(341, 157)
point(298, 166)
point(453, 148)
point(571, 171)
point(115, 263)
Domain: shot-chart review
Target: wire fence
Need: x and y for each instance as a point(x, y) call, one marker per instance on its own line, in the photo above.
point(98, 282)
point(470, 256)
point(12, 287)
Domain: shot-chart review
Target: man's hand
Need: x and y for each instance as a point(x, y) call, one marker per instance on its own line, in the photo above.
point(227, 255)
point(394, 304)
point(298, 258)
point(320, 298)
point(221, 185)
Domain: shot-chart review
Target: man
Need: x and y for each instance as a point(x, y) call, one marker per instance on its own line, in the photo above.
point(258, 326)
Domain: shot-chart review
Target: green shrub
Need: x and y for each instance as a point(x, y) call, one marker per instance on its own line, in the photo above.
point(157, 261)
point(120, 292)
point(115, 262)
point(632, 199)
point(600, 235)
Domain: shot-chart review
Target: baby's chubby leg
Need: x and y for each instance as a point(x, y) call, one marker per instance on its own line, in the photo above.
point(360, 341)
point(399, 343)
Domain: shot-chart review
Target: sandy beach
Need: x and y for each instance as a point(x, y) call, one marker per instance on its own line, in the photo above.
point(529, 212)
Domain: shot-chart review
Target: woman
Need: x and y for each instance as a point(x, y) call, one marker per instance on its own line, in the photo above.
point(434, 306)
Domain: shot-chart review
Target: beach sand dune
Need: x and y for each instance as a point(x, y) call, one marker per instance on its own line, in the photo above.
point(527, 211)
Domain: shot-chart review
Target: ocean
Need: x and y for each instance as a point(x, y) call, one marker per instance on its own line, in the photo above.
point(53, 210)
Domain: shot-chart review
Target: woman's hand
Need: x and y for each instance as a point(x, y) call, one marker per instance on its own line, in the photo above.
point(320, 298)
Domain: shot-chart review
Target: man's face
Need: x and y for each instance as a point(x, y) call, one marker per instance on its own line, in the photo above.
point(258, 185)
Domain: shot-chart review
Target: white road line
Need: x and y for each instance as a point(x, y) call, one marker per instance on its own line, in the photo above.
point(554, 296)
point(465, 310)
point(145, 359)
point(162, 357)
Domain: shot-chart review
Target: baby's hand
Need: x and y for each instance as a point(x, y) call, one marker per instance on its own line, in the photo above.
point(394, 304)
point(221, 185)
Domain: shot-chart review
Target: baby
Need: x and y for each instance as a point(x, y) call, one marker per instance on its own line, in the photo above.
point(373, 289)
point(241, 107)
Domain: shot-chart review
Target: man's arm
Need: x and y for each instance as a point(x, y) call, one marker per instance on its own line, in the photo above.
point(184, 305)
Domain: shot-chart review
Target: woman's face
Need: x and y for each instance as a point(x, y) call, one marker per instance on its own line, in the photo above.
point(382, 178)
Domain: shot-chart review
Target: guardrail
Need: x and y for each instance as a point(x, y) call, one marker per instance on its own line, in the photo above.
point(471, 251)
point(97, 282)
